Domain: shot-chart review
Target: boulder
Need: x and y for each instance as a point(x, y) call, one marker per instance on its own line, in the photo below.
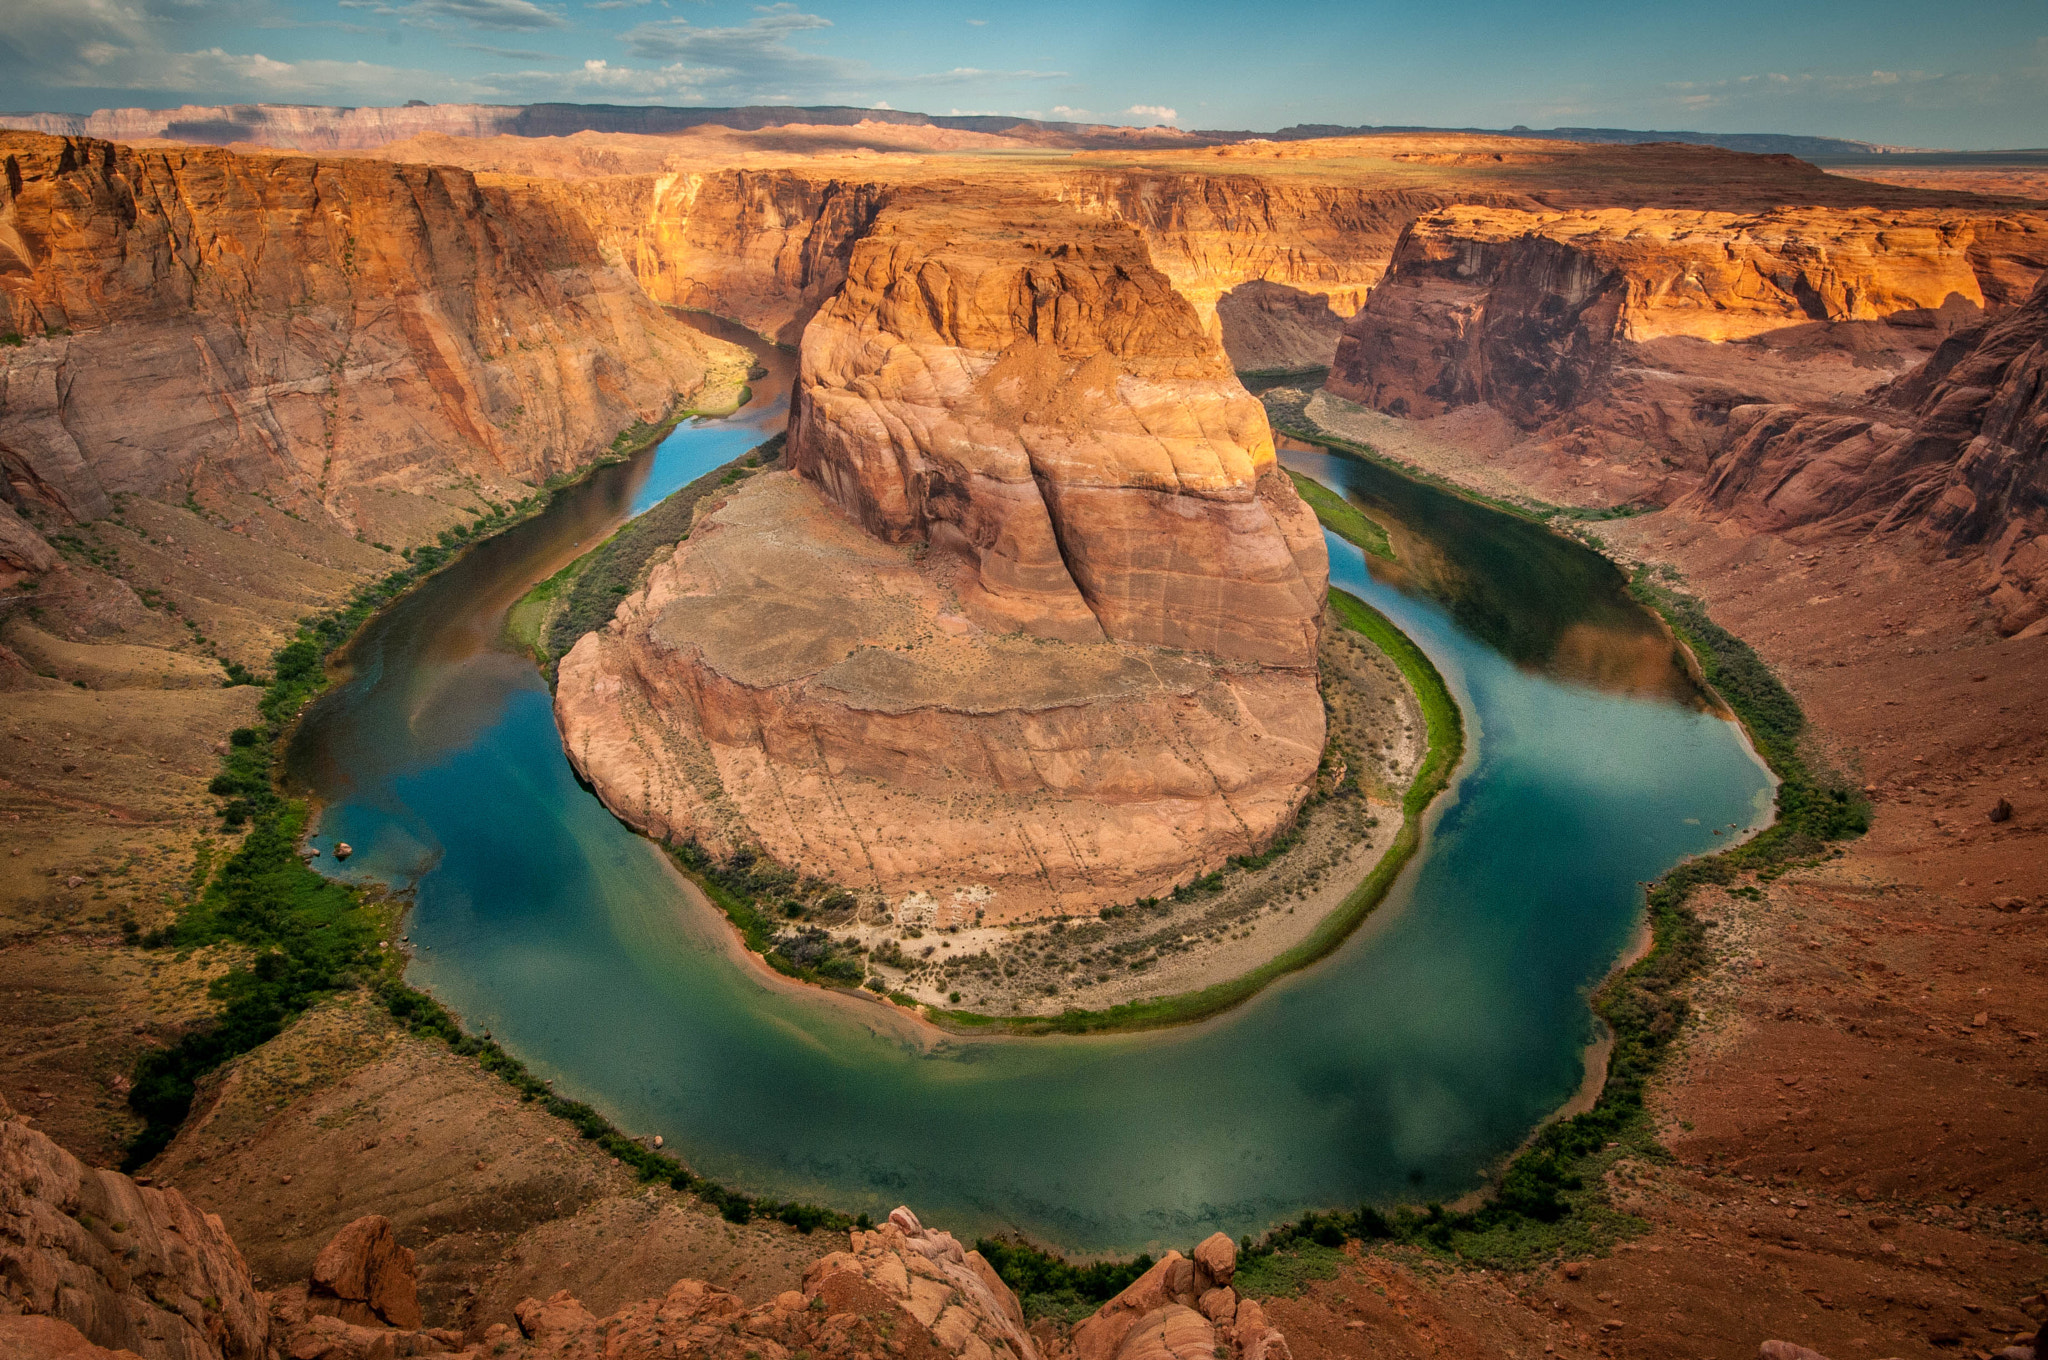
point(1217, 1255)
point(1786, 1350)
point(364, 1276)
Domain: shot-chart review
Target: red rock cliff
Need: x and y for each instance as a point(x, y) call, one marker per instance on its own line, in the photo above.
point(200, 321)
point(1034, 395)
point(1957, 450)
point(1035, 629)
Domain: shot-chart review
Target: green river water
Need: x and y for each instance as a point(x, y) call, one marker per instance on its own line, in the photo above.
point(1397, 1068)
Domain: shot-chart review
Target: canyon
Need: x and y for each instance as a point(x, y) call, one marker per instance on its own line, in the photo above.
point(240, 373)
point(1092, 674)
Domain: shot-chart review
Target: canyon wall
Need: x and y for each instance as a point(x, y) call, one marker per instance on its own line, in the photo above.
point(1619, 340)
point(1529, 311)
point(198, 323)
point(1033, 623)
point(1273, 266)
point(1957, 450)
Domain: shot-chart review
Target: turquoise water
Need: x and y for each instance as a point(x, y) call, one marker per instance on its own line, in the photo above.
point(1397, 1068)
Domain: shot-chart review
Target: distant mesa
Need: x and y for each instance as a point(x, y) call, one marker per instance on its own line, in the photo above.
point(314, 127)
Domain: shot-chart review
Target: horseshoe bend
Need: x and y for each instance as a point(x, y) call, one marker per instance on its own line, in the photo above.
point(1337, 741)
point(1031, 620)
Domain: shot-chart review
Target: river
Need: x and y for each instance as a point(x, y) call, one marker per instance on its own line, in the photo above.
point(1396, 1068)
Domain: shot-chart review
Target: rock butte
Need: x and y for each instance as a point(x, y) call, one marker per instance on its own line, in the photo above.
point(1035, 616)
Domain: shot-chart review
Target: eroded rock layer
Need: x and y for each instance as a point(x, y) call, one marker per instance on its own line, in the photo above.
point(197, 322)
point(1958, 450)
point(1036, 622)
point(1529, 311)
point(1030, 393)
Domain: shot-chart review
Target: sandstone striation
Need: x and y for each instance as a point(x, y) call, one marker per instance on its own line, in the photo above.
point(1037, 623)
point(1610, 345)
point(1957, 450)
point(121, 1265)
point(202, 324)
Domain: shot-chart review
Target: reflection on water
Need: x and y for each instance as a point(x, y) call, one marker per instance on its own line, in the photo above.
point(1400, 1066)
point(1543, 601)
point(432, 675)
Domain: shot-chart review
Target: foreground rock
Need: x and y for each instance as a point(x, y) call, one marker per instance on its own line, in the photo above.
point(1035, 628)
point(1182, 1309)
point(91, 1255)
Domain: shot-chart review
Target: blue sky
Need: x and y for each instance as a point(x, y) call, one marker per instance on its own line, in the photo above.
point(1970, 73)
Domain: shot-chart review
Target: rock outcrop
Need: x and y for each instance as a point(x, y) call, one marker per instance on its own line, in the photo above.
point(1957, 450)
point(91, 1255)
point(1183, 1308)
point(1037, 622)
point(363, 1276)
point(1032, 395)
point(1532, 312)
point(199, 323)
point(95, 1266)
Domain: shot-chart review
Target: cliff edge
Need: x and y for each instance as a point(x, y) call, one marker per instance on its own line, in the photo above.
point(1033, 628)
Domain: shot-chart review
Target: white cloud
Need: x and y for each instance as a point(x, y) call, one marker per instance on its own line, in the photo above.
point(1156, 112)
point(504, 16)
point(969, 75)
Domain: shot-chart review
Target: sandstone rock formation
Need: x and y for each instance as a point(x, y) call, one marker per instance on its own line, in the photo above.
point(96, 1267)
point(124, 1266)
point(1039, 619)
point(199, 323)
point(1958, 450)
point(363, 1276)
point(1047, 409)
point(1532, 311)
point(1182, 1309)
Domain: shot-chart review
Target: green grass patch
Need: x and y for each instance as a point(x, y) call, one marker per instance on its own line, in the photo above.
point(1446, 734)
point(1048, 1286)
point(1284, 1274)
point(582, 597)
point(1342, 518)
point(748, 886)
point(1257, 380)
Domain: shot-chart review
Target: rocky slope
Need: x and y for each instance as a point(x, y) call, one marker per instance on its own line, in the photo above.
point(198, 324)
point(1958, 449)
point(1626, 336)
point(94, 1264)
point(1044, 610)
